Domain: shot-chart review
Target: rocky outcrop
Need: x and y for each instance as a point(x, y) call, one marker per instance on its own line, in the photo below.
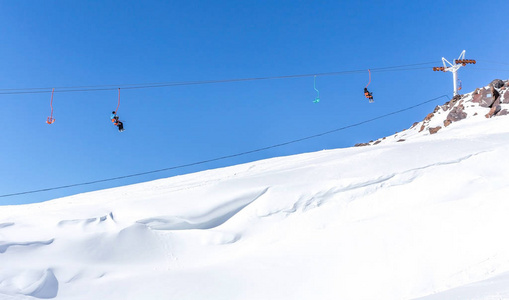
point(456, 107)
point(505, 98)
point(434, 130)
point(483, 97)
point(457, 113)
point(429, 116)
point(477, 96)
point(362, 144)
point(503, 112)
point(459, 108)
point(426, 121)
point(497, 83)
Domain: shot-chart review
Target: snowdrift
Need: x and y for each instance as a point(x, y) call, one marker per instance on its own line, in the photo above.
point(416, 215)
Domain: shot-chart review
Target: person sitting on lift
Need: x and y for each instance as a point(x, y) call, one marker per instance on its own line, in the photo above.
point(368, 94)
point(116, 121)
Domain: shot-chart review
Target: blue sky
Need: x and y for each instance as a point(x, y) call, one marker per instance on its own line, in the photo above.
point(46, 44)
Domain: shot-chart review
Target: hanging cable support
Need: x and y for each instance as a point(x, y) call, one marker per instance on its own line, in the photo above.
point(369, 71)
point(367, 93)
point(227, 156)
point(92, 88)
point(118, 105)
point(114, 117)
point(317, 99)
point(50, 119)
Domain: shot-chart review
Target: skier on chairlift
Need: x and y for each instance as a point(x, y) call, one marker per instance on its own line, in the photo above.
point(368, 94)
point(116, 121)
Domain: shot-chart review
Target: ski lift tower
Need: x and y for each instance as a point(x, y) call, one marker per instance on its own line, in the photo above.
point(458, 63)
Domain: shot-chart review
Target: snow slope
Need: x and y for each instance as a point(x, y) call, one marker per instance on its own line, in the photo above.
point(426, 217)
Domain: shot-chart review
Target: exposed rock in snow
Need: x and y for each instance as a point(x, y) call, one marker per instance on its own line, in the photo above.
point(363, 144)
point(426, 120)
point(433, 130)
point(457, 113)
point(460, 107)
point(505, 97)
point(497, 83)
point(503, 112)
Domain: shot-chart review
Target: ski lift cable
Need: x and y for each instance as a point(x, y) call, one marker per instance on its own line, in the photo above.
point(226, 156)
point(492, 62)
point(169, 84)
point(490, 69)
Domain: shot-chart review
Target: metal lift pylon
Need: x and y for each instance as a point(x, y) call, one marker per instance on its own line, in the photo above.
point(453, 68)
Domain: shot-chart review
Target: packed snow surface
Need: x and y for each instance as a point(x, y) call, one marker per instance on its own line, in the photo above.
point(426, 218)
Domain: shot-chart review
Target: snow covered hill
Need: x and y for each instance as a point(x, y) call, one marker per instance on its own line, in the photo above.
point(416, 215)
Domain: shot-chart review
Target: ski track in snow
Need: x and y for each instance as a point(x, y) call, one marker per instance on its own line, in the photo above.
point(3, 225)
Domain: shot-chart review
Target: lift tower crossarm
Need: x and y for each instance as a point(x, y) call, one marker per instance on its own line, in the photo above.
point(453, 68)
